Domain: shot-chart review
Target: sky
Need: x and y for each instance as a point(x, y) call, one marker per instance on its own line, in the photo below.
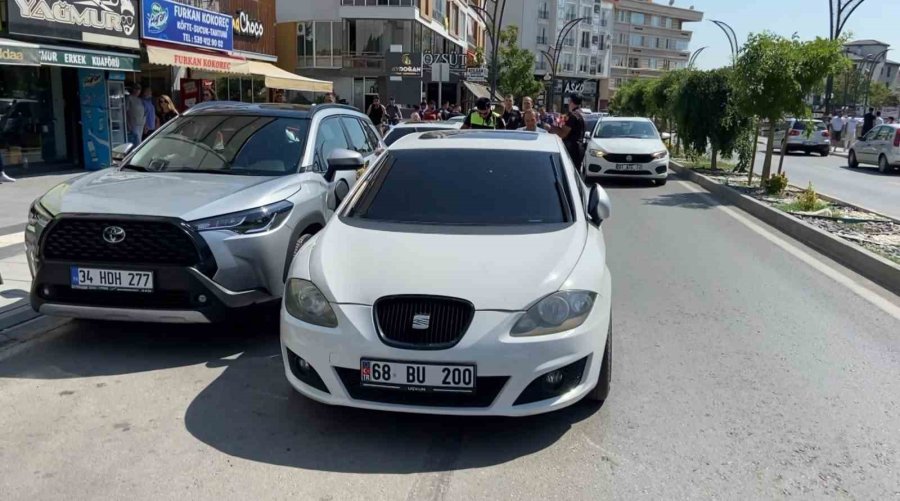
point(874, 19)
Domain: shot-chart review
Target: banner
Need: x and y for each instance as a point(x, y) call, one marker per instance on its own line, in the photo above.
point(172, 22)
point(94, 118)
point(79, 59)
point(18, 54)
point(106, 22)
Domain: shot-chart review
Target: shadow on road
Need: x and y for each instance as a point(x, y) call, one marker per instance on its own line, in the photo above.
point(614, 184)
point(684, 200)
point(251, 412)
point(870, 170)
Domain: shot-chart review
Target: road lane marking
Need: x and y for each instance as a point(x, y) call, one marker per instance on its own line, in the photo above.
point(881, 303)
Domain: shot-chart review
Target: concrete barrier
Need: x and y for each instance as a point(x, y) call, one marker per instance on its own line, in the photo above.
point(876, 268)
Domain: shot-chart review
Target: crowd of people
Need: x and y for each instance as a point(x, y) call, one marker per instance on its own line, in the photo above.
point(844, 128)
point(144, 113)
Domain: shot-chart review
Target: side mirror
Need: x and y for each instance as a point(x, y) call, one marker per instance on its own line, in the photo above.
point(587, 136)
point(665, 136)
point(121, 151)
point(599, 206)
point(341, 160)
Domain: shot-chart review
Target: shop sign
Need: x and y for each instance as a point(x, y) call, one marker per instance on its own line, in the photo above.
point(19, 55)
point(404, 64)
point(477, 74)
point(78, 59)
point(244, 26)
point(168, 21)
point(76, 20)
point(586, 88)
point(456, 60)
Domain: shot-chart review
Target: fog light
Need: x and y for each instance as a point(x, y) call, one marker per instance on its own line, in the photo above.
point(303, 364)
point(201, 298)
point(46, 291)
point(554, 377)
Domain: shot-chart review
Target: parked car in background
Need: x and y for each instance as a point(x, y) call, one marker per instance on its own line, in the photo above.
point(200, 219)
point(405, 128)
point(626, 147)
point(466, 274)
point(880, 146)
point(807, 136)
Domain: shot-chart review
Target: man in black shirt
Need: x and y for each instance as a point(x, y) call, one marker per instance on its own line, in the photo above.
point(394, 114)
point(868, 121)
point(376, 112)
point(511, 116)
point(572, 131)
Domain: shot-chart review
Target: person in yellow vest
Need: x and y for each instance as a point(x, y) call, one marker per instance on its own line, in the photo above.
point(483, 117)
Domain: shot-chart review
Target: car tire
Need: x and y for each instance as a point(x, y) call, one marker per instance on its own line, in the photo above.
point(824, 153)
point(601, 391)
point(301, 242)
point(852, 162)
point(883, 166)
point(662, 182)
point(807, 152)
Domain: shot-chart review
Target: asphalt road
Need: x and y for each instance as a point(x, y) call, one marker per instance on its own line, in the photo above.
point(830, 175)
point(742, 370)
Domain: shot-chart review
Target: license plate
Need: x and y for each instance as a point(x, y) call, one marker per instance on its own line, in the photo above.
point(628, 167)
point(809, 143)
point(413, 376)
point(111, 280)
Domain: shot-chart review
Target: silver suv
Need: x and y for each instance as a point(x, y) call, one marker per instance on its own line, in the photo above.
point(202, 218)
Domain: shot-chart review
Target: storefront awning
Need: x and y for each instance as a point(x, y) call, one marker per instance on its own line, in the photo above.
point(197, 60)
point(16, 53)
point(479, 90)
point(277, 78)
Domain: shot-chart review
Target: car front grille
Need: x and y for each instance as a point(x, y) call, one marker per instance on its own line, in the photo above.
point(622, 158)
point(628, 172)
point(145, 242)
point(486, 390)
point(422, 322)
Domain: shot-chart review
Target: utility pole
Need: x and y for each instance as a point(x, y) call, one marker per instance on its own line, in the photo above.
point(491, 14)
point(555, 50)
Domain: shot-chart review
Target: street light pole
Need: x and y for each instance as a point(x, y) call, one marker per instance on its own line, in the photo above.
point(493, 20)
point(553, 57)
point(732, 38)
point(694, 55)
point(872, 66)
point(839, 11)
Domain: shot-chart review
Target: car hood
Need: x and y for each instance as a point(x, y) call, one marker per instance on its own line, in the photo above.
point(628, 145)
point(494, 272)
point(185, 195)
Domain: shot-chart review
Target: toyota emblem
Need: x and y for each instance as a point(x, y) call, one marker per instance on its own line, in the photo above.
point(628, 158)
point(113, 234)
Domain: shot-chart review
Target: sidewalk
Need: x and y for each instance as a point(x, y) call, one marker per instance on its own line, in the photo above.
point(14, 305)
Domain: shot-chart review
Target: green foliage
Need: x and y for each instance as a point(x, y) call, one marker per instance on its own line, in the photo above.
point(515, 68)
point(704, 110)
point(630, 99)
point(881, 95)
point(776, 184)
point(808, 199)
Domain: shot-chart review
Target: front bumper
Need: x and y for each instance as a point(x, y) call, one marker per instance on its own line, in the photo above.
point(811, 147)
point(505, 365)
point(601, 168)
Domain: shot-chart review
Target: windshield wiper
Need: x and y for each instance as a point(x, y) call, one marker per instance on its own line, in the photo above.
point(133, 167)
point(206, 171)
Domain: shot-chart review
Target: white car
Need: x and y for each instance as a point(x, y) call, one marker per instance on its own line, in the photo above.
point(406, 128)
point(626, 148)
point(465, 274)
point(805, 135)
point(880, 146)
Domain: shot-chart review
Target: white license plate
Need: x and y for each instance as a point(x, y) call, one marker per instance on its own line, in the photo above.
point(111, 280)
point(809, 143)
point(413, 376)
point(628, 167)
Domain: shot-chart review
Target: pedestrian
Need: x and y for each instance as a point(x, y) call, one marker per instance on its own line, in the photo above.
point(868, 121)
point(135, 115)
point(446, 111)
point(483, 117)
point(850, 132)
point(376, 112)
point(837, 127)
point(431, 112)
point(149, 113)
point(209, 94)
point(530, 118)
point(511, 116)
point(878, 119)
point(415, 116)
point(572, 131)
point(891, 120)
point(329, 98)
point(394, 114)
point(4, 177)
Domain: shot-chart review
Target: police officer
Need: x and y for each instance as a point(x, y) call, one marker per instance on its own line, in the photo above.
point(483, 117)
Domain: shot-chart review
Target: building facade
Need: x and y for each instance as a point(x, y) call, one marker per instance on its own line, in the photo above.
point(583, 56)
point(649, 38)
point(380, 48)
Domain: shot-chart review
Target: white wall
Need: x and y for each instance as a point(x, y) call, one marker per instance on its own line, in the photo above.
point(307, 10)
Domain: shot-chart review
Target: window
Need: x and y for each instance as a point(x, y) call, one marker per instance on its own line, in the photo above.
point(371, 135)
point(543, 11)
point(243, 145)
point(619, 81)
point(637, 18)
point(622, 16)
point(655, 21)
point(323, 45)
point(626, 129)
point(653, 63)
point(621, 38)
point(358, 140)
point(329, 138)
point(618, 61)
point(568, 62)
point(585, 40)
point(583, 64)
point(884, 133)
point(466, 188)
point(365, 37)
point(634, 62)
point(319, 44)
point(668, 22)
point(636, 40)
point(542, 35)
point(588, 13)
point(438, 10)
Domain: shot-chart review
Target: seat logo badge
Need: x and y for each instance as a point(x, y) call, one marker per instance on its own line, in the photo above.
point(628, 158)
point(421, 321)
point(113, 234)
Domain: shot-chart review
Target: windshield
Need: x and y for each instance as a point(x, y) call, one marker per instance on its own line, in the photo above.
point(398, 132)
point(626, 129)
point(221, 144)
point(468, 187)
point(801, 125)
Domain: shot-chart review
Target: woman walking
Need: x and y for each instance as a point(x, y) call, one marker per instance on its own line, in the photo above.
point(165, 109)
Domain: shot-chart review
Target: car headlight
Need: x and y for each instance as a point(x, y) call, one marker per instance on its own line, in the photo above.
point(305, 301)
point(596, 153)
point(38, 215)
point(661, 154)
point(561, 311)
point(268, 217)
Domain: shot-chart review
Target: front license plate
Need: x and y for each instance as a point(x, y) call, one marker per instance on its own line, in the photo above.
point(111, 280)
point(628, 166)
point(413, 376)
point(809, 143)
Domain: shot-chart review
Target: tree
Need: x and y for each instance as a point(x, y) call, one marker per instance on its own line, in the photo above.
point(659, 96)
point(515, 68)
point(773, 75)
point(703, 107)
point(630, 99)
point(881, 95)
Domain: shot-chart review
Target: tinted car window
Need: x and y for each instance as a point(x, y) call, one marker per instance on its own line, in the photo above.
point(329, 137)
point(626, 129)
point(398, 132)
point(358, 140)
point(885, 132)
point(467, 187)
point(371, 135)
point(219, 144)
point(801, 125)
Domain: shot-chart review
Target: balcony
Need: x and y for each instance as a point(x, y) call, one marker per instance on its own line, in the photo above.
point(541, 40)
point(544, 14)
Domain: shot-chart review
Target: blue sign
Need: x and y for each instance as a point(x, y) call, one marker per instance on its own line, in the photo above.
point(173, 22)
point(94, 118)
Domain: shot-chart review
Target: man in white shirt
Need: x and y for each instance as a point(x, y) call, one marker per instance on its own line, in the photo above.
point(878, 119)
point(135, 115)
point(530, 118)
point(837, 128)
point(850, 132)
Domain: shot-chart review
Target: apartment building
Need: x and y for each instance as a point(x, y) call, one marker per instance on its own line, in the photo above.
point(650, 38)
point(380, 48)
point(583, 55)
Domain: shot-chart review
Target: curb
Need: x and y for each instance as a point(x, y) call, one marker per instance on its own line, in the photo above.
point(868, 264)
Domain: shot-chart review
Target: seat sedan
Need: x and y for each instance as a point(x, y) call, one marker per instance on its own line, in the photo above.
point(880, 146)
point(626, 148)
point(465, 274)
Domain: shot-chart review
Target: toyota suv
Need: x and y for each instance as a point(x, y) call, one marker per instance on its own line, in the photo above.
point(200, 219)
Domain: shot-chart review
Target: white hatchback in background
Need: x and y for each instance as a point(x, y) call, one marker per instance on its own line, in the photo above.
point(804, 135)
point(626, 148)
point(466, 274)
point(880, 146)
